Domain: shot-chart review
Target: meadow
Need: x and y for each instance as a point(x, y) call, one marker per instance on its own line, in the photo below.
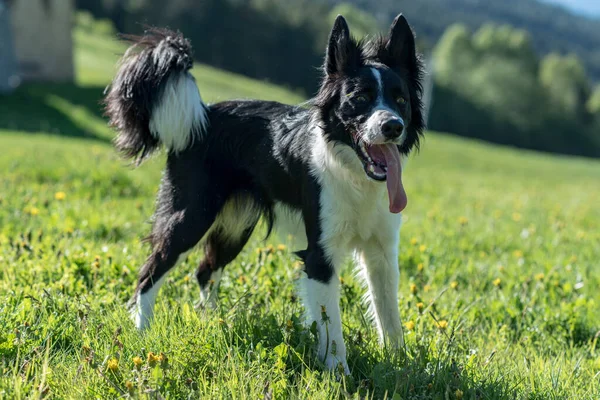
point(499, 271)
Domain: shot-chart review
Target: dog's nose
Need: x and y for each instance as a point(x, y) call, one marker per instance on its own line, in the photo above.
point(392, 128)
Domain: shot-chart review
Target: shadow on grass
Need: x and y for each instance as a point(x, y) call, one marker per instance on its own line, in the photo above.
point(60, 109)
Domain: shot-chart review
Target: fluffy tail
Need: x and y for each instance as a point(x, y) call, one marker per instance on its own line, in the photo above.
point(153, 98)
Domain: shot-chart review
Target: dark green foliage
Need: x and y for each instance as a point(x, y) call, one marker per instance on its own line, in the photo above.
point(552, 28)
point(263, 39)
point(491, 86)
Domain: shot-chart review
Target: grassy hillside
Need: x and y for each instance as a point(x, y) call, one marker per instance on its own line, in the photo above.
point(499, 272)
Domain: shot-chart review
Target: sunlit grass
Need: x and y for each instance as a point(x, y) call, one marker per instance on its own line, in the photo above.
point(499, 277)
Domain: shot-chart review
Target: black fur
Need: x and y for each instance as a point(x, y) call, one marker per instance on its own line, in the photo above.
point(258, 151)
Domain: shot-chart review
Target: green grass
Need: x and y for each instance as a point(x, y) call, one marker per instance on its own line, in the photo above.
point(501, 244)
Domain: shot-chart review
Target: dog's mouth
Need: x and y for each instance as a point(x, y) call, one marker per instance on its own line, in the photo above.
point(381, 162)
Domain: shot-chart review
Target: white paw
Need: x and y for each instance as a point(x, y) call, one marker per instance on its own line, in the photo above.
point(334, 355)
point(140, 320)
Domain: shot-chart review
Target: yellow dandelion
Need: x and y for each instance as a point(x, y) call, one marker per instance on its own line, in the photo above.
point(289, 324)
point(137, 361)
point(517, 253)
point(60, 195)
point(422, 248)
point(420, 306)
point(186, 278)
point(410, 325)
point(497, 282)
point(426, 288)
point(420, 267)
point(516, 217)
point(442, 325)
point(129, 385)
point(34, 211)
point(540, 276)
point(458, 394)
point(414, 241)
point(454, 285)
point(152, 359)
point(113, 364)
point(413, 288)
point(281, 247)
point(463, 220)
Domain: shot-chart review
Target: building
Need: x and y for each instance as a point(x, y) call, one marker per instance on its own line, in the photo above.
point(37, 43)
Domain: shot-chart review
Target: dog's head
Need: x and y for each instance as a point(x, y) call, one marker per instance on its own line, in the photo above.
point(370, 101)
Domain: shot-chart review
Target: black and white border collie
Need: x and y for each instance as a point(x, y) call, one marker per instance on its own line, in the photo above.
point(329, 171)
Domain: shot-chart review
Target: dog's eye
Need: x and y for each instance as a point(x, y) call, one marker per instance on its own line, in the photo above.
point(400, 100)
point(361, 98)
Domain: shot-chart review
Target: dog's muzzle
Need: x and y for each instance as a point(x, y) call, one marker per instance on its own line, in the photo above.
point(384, 126)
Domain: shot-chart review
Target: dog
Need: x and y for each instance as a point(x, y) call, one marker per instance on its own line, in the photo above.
point(329, 170)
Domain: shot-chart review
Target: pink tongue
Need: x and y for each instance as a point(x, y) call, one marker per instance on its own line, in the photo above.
point(397, 195)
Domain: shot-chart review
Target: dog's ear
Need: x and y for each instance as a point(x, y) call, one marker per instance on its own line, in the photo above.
point(400, 50)
point(342, 53)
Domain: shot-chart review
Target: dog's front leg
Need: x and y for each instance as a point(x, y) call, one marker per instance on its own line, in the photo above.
point(379, 267)
point(321, 295)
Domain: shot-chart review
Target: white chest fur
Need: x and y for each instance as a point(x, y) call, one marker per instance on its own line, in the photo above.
point(354, 208)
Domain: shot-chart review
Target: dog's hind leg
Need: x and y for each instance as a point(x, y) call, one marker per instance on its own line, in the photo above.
point(187, 207)
point(232, 229)
point(219, 250)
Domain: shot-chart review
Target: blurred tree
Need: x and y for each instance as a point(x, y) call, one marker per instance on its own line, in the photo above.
point(552, 28)
point(361, 23)
point(566, 83)
point(593, 104)
point(453, 55)
point(506, 42)
point(491, 85)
